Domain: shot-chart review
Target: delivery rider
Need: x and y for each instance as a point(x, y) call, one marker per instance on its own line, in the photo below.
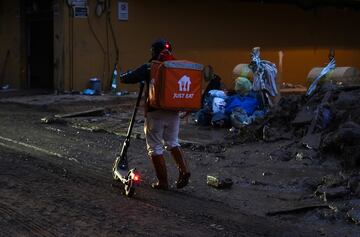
point(161, 126)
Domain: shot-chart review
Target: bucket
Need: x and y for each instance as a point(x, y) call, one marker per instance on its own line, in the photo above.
point(95, 84)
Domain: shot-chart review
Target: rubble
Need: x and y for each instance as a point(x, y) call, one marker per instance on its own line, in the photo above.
point(327, 122)
point(281, 154)
point(354, 215)
point(219, 183)
point(52, 119)
point(330, 193)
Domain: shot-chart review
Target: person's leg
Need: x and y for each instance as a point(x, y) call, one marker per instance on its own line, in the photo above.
point(161, 172)
point(184, 173)
point(171, 133)
point(154, 129)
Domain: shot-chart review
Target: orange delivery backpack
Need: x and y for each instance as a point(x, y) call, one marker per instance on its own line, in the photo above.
point(176, 85)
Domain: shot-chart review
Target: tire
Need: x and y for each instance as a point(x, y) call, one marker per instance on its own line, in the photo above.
point(129, 189)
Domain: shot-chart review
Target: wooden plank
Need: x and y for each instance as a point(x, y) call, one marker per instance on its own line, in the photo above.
point(300, 208)
point(91, 112)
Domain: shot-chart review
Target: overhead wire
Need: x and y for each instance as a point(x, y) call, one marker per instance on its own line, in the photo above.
point(113, 38)
point(99, 43)
point(70, 49)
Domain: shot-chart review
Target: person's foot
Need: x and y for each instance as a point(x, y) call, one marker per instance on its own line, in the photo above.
point(160, 186)
point(183, 180)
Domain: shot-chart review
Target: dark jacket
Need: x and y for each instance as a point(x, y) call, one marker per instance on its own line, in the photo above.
point(142, 73)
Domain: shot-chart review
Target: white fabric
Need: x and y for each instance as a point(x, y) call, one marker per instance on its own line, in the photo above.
point(218, 93)
point(265, 74)
point(161, 130)
point(330, 67)
point(218, 105)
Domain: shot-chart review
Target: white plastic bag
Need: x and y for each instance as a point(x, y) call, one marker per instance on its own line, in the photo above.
point(218, 93)
point(218, 105)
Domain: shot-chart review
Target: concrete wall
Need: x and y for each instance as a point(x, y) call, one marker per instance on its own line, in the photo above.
point(223, 33)
point(220, 33)
point(85, 42)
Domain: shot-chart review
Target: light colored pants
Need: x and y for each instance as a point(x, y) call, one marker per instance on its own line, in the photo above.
point(161, 129)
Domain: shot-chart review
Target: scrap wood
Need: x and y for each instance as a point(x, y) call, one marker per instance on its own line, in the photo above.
point(323, 101)
point(300, 208)
point(348, 88)
point(304, 116)
point(313, 140)
point(91, 112)
point(51, 119)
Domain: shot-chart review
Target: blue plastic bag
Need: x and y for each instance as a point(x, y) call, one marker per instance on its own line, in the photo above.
point(247, 103)
point(88, 92)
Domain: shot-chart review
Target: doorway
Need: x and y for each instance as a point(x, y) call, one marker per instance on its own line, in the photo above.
point(39, 38)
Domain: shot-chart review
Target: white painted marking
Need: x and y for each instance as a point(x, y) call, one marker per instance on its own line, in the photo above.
point(32, 147)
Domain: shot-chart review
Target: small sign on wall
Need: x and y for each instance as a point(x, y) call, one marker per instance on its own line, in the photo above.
point(80, 12)
point(123, 11)
point(79, 3)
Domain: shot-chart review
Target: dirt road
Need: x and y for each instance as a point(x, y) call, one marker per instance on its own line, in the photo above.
point(55, 180)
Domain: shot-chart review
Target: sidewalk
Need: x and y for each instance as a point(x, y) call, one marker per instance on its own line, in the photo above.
point(115, 119)
point(43, 98)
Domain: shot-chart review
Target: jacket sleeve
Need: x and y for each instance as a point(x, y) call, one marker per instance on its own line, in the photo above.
point(141, 73)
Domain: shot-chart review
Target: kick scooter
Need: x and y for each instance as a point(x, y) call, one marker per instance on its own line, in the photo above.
point(121, 172)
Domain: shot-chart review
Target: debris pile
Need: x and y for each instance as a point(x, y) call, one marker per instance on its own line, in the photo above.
point(247, 102)
point(327, 123)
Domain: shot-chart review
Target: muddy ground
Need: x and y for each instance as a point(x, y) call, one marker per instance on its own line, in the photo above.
point(55, 180)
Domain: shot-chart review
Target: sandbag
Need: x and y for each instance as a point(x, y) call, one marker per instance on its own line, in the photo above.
point(242, 70)
point(242, 86)
point(345, 75)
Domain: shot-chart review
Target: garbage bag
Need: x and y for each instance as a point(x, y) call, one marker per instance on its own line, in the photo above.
point(218, 105)
point(258, 114)
point(89, 92)
point(242, 86)
point(208, 102)
point(203, 117)
point(220, 120)
point(239, 118)
point(324, 117)
point(218, 93)
point(247, 103)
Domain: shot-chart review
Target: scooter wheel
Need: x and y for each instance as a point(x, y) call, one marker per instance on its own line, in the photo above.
point(115, 177)
point(129, 189)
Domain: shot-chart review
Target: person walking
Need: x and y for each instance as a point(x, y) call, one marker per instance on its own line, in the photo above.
point(161, 127)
